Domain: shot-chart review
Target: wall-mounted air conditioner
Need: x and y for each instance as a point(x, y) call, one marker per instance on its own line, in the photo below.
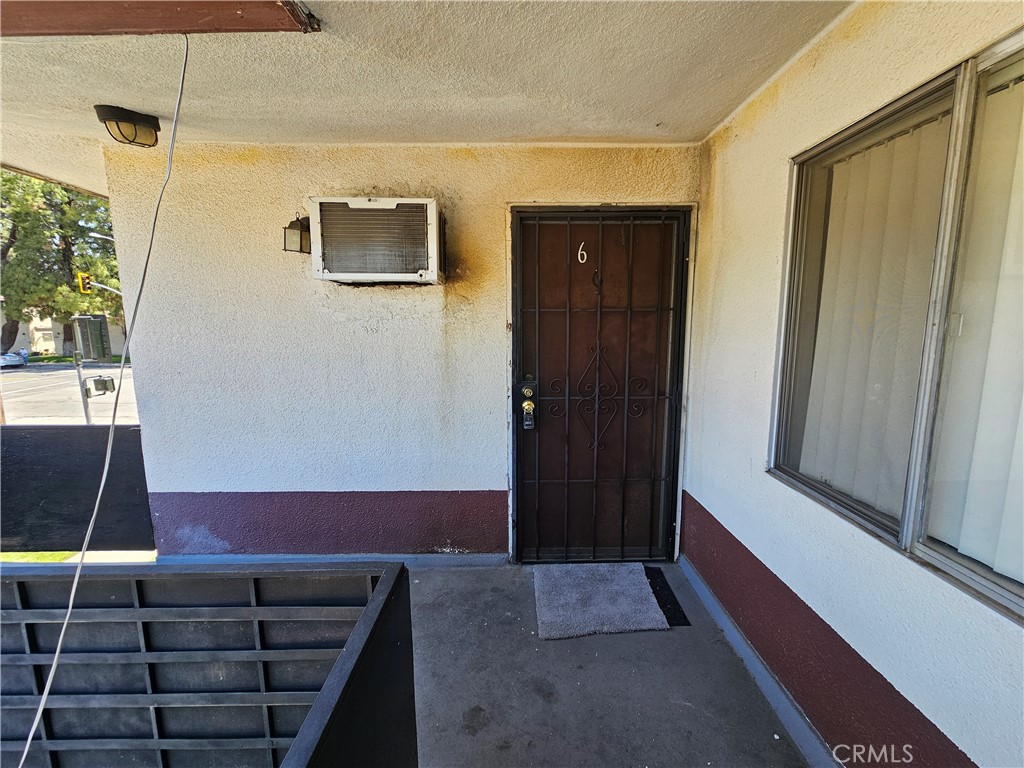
point(377, 240)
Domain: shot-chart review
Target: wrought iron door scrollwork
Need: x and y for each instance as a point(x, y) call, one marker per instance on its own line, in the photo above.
point(586, 408)
point(606, 389)
point(637, 384)
point(597, 397)
point(557, 409)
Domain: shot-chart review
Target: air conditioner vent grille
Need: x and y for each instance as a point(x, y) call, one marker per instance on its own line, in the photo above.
point(374, 240)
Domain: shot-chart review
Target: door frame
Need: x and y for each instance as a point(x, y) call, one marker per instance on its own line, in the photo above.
point(681, 354)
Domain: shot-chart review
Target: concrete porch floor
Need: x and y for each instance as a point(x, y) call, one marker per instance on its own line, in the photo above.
point(490, 693)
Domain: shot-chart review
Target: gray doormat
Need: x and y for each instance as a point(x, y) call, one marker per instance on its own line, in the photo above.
point(592, 599)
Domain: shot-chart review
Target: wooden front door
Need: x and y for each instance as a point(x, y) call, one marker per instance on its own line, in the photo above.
point(598, 307)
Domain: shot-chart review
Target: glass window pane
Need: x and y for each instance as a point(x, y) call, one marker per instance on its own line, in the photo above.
point(975, 504)
point(870, 214)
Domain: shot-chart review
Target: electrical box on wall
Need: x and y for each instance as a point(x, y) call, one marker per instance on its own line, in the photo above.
point(377, 240)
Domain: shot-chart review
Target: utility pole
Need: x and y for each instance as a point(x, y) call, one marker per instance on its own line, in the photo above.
point(102, 384)
point(81, 380)
point(107, 288)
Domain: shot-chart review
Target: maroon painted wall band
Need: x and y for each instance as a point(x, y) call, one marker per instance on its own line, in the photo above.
point(843, 696)
point(344, 522)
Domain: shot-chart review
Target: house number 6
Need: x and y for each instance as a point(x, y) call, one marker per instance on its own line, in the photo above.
point(582, 255)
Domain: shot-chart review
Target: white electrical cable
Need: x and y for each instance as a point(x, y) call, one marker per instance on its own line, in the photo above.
point(113, 419)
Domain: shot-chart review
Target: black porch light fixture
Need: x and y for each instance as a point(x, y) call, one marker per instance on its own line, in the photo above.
point(296, 235)
point(128, 127)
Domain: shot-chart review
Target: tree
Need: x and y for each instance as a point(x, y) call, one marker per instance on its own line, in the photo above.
point(44, 242)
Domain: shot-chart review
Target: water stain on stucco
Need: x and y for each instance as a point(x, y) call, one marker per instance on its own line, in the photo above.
point(198, 539)
point(463, 153)
point(856, 25)
point(247, 155)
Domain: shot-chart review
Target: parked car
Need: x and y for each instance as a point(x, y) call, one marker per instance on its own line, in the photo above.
point(11, 360)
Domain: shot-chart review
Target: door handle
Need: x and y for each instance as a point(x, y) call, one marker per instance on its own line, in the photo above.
point(528, 408)
point(528, 390)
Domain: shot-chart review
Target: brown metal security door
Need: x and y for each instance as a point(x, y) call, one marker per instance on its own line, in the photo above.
point(598, 308)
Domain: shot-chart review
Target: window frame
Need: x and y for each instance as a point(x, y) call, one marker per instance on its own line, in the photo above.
point(910, 535)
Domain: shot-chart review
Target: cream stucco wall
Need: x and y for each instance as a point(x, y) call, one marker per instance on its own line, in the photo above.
point(956, 659)
point(253, 376)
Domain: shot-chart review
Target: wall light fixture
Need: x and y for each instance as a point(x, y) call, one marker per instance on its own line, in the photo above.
point(296, 235)
point(128, 127)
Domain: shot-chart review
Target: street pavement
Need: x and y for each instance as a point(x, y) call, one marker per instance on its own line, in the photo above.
point(47, 393)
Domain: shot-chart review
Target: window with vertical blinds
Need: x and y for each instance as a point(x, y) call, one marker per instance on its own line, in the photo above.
point(975, 500)
point(867, 272)
point(901, 390)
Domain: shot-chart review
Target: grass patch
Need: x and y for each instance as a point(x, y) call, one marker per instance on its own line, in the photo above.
point(63, 359)
point(35, 557)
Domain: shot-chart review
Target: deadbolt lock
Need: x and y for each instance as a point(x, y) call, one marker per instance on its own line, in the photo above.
point(527, 391)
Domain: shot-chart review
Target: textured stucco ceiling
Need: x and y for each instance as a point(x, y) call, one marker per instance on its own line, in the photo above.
point(417, 72)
